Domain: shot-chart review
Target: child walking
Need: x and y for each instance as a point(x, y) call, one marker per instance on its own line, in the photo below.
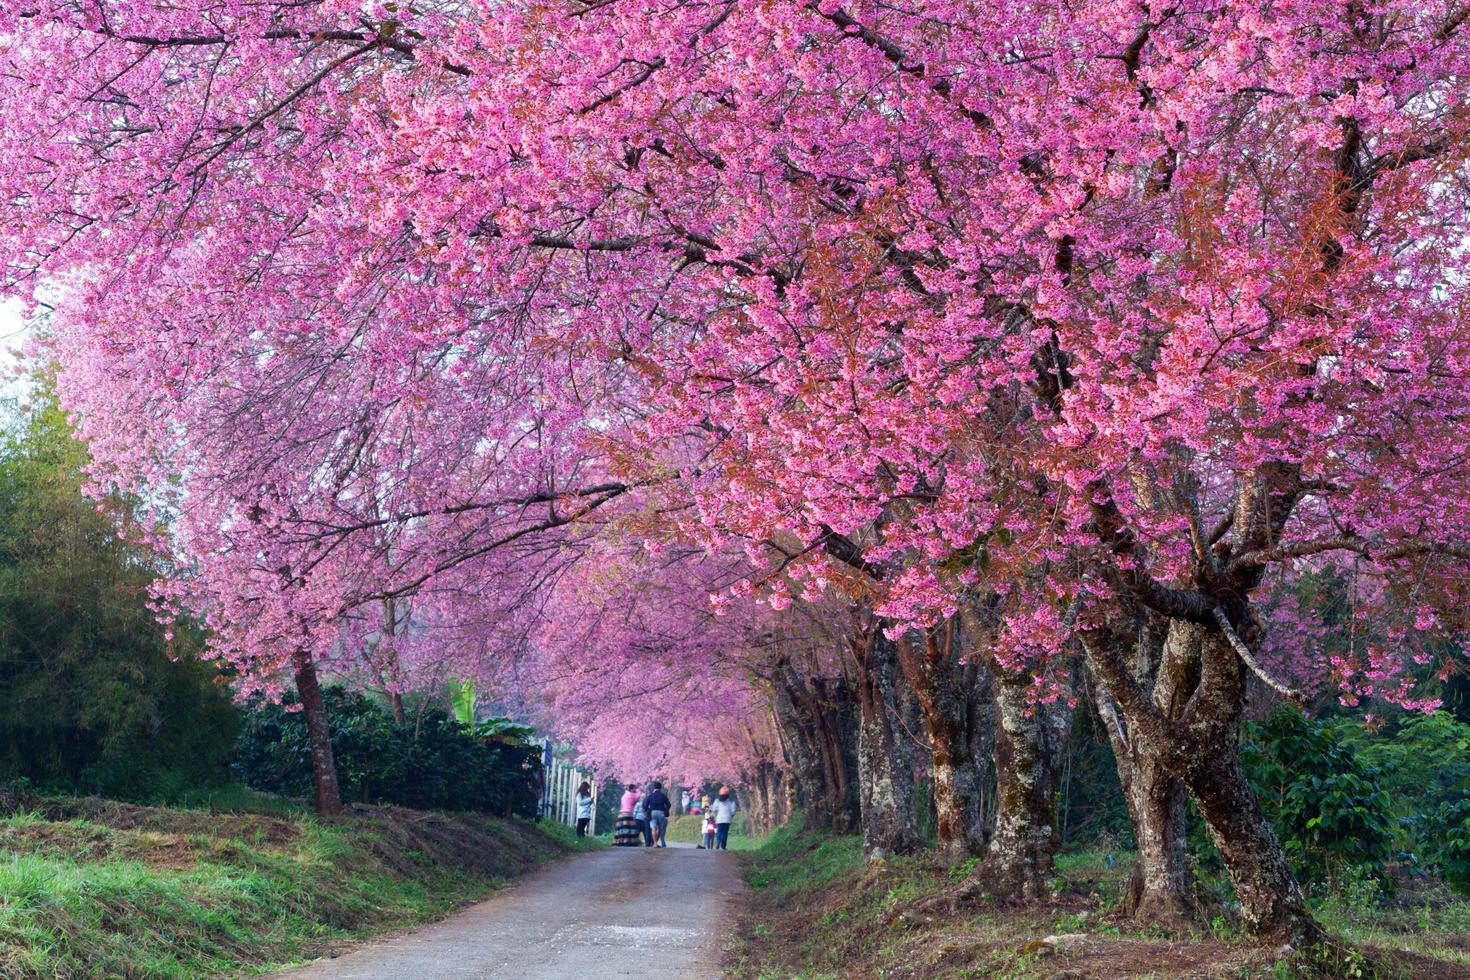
point(709, 832)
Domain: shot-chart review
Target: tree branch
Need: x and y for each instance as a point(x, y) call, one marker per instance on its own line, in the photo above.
point(295, 94)
point(1244, 653)
point(901, 60)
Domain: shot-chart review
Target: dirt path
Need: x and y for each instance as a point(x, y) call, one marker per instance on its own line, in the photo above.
point(613, 913)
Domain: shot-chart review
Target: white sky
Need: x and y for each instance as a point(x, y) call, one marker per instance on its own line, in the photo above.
point(13, 334)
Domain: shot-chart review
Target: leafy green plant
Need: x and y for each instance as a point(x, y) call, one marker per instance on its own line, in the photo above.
point(1423, 762)
point(1447, 845)
point(98, 697)
point(1328, 806)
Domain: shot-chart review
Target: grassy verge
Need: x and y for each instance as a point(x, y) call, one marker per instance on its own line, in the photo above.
point(818, 912)
point(92, 888)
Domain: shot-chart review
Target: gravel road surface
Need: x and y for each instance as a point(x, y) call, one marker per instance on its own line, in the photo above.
point(619, 912)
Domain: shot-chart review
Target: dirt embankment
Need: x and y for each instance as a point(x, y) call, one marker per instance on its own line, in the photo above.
point(92, 887)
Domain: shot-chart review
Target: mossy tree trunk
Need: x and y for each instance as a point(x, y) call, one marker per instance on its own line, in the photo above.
point(1029, 741)
point(885, 768)
point(951, 685)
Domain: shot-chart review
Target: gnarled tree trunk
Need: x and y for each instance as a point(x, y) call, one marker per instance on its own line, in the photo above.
point(885, 768)
point(1207, 760)
point(1160, 890)
point(953, 694)
point(314, 710)
point(1201, 749)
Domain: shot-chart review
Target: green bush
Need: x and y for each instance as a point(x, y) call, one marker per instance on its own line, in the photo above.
point(1423, 762)
point(1328, 806)
point(1445, 837)
point(431, 763)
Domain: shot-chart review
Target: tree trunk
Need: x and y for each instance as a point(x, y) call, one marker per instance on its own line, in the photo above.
point(1271, 902)
point(323, 766)
point(798, 736)
point(839, 730)
point(886, 775)
point(1029, 741)
point(953, 697)
point(384, 661)
point(1201, 748)
point(766, 786)
point(1160, 891)
point(814, 722)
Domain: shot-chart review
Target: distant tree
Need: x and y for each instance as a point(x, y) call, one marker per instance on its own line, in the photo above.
point(96, 695)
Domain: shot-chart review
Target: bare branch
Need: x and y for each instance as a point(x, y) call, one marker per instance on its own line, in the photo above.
point(1244, 653)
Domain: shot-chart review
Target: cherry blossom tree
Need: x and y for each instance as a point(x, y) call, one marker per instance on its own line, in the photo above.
point(1118, 309)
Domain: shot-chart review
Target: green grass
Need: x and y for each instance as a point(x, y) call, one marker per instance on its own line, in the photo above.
point(567, 837)
point(150, 892)
point(818, 911)
point(239, 798)
point(792, 861)
point(1434, 922)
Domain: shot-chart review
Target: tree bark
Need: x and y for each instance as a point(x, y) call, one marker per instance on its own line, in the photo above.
point(814, 721)
point(1272, 905)
point(1201, 749)
point(323, 766)
point(1160, 891)
point(886, 775)
point(768, 797)
point(798, 734)
point(384, 661)
point(837, 705)
point(1029, 740)
point(954, 699)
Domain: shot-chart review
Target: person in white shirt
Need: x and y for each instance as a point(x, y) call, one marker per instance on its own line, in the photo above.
point(584, 808)
point(725, 809)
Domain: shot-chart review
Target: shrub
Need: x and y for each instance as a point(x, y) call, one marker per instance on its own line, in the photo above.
point(98, 697)
point(1423, 761)
point(1446, 843)
point(431, 763)
point(1328, 806)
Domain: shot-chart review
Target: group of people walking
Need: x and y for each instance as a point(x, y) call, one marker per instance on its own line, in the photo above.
point(643, 818)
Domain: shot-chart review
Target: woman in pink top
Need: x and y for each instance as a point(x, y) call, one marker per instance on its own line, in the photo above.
point(625, 831)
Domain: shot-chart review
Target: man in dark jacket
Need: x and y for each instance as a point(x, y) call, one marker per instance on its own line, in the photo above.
point(657, 805)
